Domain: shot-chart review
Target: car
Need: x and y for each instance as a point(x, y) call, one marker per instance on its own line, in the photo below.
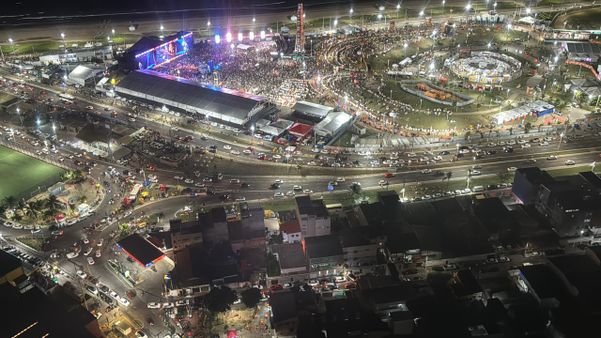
point(240, 199)
point(92, 289)
point(388, 175)
point(72, 254)
point(98, 254)
point(307, 191)
point(88, 251)
point(342, 179)
point(382, 183)
point(188, 181)
point(113, 294)
point(426, 171)
point(512, 169)
point(297, 187)
point(200, 185)
point(278, 181)
point(81, 274)
point(141, 334)
point(340, 279)
point(153, 305)
point(181, 302)
point(551, 157)
point(278, 194)
point(569, 162)
point(234, 152)
point(123, 301)
point(168, 305)
point(91, 261)
point(234, 181)
point(178, 178)
point(227, 146)
point(290, 193)
point(100, 242)
point(89, 107)
point(475, 172)
point(85, 240)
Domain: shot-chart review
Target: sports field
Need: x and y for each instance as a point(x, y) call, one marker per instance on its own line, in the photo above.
point(21, 174)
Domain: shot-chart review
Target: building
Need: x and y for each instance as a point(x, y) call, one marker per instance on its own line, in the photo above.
point(465, 286)
point(140, 250)
point(324, 254)
point(526, 182)
point(571, 203)
point(333, 126)
point(78, 55)
point(185, 234)
point(199, 267)
point(83, 75)
point(97, 138)
point(10, 268)
point(290, 227)
point(292, 261)
point(37, 314)
point(313, 217)
point(358, 251)
point(311, 111)
point(214, 226)
point(225, 106)
point(284, 313)
point(383, 295)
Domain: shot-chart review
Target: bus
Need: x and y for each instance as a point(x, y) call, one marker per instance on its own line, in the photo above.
point(66, 98)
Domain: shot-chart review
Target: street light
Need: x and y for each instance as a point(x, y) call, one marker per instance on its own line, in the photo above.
point(113, 31)
point(254, 19)
point(528, 10)
point(350, 12)
point(161, 28)
point(54, 127)
point(335, 22)
point(209, 23)
point(421, 13)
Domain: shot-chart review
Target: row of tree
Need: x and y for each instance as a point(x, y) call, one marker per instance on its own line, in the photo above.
point(32, 209)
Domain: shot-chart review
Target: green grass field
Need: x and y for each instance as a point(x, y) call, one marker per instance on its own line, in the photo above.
point(21, 174)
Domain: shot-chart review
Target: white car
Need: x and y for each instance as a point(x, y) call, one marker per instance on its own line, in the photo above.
point(512, 169)
point(85, 240)
point(98, 253)
point(141, 334)
point(178, 178)
point(72, 255)
point(426, 171)
point(188, 181)
point(475, 172)
point(92, 289)
point(290, 193)
point(88, 251)
point(278, 194)
point(100, 242)
point(154, 305)
point(123, 301)
point(551, 157)
point(113, 294)
point(81, 274)
point(569, 162)
point(91, 261)
point(340, 179)
point(241, 199)
point(234, 152)
point(200, 185)
point(168, 305)
point(235, 181)
point(297, 187)
point(227, 146)
point(278, 181)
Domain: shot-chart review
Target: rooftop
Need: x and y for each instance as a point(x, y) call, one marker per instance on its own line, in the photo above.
point(140, 249)
point(307, 206)
point(224, 104)
point(310, 108)
point(8, 263)
point(290, 256)
point(323, 246)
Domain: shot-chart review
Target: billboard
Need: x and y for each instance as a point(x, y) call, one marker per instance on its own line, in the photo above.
point(165, 52)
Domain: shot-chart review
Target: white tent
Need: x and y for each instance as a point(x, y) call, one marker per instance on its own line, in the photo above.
point(80, 74)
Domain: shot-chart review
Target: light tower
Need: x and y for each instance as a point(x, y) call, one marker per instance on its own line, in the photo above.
point(299, 47)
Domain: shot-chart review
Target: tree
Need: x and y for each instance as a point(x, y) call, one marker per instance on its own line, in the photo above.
point(219, 299)
point(527, 127)
point(52, 202)
point(251, 297)
point(10, 201)
point(31, 209)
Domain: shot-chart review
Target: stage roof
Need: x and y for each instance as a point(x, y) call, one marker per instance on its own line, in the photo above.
point(221, 103)
point(140, 249)
point(313, 109)
point(332, 123)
